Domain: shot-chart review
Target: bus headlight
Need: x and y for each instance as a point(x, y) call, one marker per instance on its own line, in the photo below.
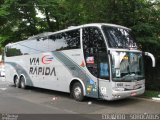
point(118, 89)
point(116, 96)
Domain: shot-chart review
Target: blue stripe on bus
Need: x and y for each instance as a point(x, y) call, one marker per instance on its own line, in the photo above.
point(20, 70)
point(76, 71)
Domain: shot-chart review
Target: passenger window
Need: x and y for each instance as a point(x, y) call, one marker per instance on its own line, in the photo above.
point(72, 39)
point(13, 50)
point(56, 42)
point(41, 45)
point(64, 41)
point(29, 47)
point(95, 53)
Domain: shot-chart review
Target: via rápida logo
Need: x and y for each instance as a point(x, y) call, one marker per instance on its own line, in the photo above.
point(47, 59)
point(37, 69)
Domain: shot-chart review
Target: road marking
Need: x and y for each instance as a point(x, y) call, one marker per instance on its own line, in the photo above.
point(3, 89)
point(2, 79)
point(155, 98)
point(146, 99)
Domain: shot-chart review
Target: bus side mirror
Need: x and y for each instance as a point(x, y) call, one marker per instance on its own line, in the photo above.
point(152, 58)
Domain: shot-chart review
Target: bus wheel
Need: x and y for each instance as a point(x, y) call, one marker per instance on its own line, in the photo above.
point(16, 82)
point(22, 83)
point(77, 92)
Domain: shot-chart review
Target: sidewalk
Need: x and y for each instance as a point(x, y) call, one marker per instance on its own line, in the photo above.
point(151, 99)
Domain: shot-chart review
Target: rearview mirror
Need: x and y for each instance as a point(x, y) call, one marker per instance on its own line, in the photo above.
point(152, 58)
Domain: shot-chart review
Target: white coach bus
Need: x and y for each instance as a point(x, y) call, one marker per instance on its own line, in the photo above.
point(94, 60)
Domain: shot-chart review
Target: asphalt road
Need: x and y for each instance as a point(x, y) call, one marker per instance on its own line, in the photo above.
point(40, 101)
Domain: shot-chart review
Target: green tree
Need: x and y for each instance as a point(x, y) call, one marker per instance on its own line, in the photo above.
point(18, 18)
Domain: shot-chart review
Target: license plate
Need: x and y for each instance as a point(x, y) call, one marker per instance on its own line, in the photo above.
point(133, 94)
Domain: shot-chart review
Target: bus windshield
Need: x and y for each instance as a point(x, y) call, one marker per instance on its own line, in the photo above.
point(127, 66)
point(119, 37)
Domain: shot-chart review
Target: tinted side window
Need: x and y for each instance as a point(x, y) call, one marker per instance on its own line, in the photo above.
point(56, 42)
point(95, 53)
point(34, 46)
point(13, 50)
point(38, 46)
point(72, 39)
point(27, 47)
point(64, 41)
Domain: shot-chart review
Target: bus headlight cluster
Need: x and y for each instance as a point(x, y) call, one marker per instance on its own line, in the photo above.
point(116, 96)
point(118, 89)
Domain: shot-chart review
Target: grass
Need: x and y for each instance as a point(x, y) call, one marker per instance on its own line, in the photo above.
point(151, 93)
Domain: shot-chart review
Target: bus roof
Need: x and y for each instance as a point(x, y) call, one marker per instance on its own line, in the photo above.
point(91, 24)
point(45, 34)
point(40, 35)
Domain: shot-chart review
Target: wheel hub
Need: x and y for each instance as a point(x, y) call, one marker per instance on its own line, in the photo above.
point(77, 92)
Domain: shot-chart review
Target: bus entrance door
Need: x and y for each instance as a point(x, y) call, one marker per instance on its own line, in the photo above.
point(103, 74)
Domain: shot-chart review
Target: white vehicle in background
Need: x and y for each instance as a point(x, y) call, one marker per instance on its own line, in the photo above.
point(2, 70)
point(94, 60)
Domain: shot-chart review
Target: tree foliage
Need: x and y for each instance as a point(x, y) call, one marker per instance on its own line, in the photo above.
point(19, 18)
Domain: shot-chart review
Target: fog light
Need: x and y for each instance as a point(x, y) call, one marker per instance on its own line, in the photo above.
point(115, 96)
point(133, 94)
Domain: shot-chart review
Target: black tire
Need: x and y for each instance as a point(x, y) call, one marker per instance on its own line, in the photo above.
point(16, 82)
point(22, 83)
point(77, 91)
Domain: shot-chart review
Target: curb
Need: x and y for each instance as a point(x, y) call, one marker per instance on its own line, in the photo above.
point(147, 99)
